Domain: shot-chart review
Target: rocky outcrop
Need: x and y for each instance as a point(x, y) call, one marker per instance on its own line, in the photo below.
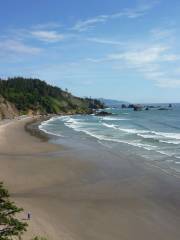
point(123, 106)
point(7, 109)
point(138, 107)
point(163, 109)
point(103, 113)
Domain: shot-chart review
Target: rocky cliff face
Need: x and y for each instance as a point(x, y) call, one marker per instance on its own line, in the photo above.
point(7, 109)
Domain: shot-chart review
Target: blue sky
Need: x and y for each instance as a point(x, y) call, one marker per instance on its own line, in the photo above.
point(127, 50)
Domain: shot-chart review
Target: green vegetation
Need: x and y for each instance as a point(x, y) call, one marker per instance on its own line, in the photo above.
point(38, 97)
point(9, 225)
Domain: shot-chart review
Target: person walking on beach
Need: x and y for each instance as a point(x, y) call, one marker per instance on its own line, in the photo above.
point(29, 216)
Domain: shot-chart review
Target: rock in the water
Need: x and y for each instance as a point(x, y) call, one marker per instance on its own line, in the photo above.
point(123, 106)
point(103, 113)
point(163, 108)
point(131, 106)
point(137, 107)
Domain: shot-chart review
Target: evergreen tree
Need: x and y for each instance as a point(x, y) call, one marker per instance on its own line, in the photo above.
point(9, 225)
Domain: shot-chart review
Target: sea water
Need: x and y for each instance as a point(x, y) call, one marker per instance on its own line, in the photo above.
point(153, 134)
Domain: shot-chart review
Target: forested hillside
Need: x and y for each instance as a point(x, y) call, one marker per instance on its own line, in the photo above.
point(39, 97)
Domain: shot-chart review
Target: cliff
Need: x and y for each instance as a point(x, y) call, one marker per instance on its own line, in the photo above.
point(7, 109)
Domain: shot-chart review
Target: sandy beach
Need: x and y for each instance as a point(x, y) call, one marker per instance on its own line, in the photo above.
point(86, 193)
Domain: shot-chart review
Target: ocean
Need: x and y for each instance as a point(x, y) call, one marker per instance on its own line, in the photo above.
point(153, 135)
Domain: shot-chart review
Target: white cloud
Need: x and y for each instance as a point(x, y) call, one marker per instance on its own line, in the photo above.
point(135, 12)
point(90, 23)
point(15, 46)
point(96, 60)
point(150, 62)
point(47, 36)
point(83, 25)
point(154, 61)
point(140, 57)
point(105, 41)
point(162, 33)
point(47, 32)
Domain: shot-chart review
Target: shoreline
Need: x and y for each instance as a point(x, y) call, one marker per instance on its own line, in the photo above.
point(86, 193)
point(48, 136)
point(32, 128)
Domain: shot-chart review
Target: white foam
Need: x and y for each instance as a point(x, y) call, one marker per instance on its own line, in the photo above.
point(149, 136)
point(163, 136)
point(165, 153)
point(51, 133)
point(141, 133)
point(107, 138)
point(142, 145)
point(169, 138)
point(115, 119)
point(133, 131)
point(168, 135)
point(46, 123)
point(176, 142)
point(127, 130)
point(91, 128)
point(110, 125)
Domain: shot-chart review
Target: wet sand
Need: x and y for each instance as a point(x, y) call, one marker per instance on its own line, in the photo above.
point(87, 193)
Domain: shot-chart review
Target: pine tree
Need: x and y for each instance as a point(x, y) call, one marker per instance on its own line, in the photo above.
point(9, 225)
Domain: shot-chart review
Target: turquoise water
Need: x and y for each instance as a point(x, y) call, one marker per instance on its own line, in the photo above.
point(153, 135)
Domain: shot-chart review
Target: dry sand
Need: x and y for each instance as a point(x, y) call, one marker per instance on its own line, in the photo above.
point(87, 194)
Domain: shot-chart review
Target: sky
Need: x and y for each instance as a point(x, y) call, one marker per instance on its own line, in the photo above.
point(120, 49)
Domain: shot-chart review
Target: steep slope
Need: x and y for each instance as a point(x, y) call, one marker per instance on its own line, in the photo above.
point(7, 109)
